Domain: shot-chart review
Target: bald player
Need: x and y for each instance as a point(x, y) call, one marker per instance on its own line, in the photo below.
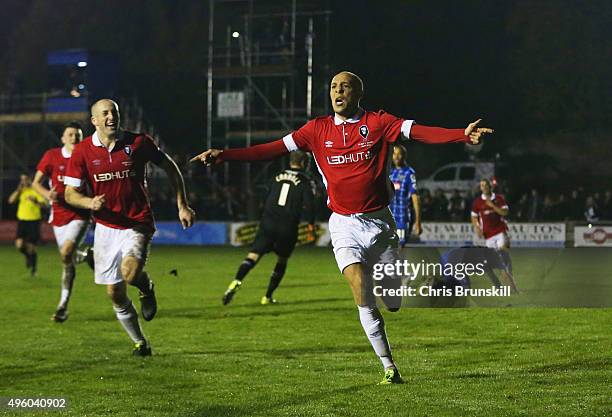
point(350, 149)
point(113, 162)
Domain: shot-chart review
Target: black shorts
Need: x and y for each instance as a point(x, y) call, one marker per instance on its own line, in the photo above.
point(28, 230)
point(275, 236)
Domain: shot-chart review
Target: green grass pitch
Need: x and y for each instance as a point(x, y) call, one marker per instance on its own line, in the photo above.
point(306, 356)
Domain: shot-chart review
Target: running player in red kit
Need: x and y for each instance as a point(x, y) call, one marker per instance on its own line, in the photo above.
point(69, 223)
point(488, 219)
point(350, 150)
point(113, 162)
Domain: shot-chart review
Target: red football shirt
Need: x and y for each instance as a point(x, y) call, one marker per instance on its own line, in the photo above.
point(351, 154)
point(490, 222)
point(351, 157)
point(53, 165)
point(119, 174)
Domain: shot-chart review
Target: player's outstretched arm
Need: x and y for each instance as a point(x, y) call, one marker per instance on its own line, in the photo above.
point(208, 157)
point(263, 152)
point(475, 133)
point(76, 199)
point(186, 214)
point(438, 135)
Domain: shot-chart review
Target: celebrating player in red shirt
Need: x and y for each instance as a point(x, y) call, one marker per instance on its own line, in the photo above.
point(69, 223)
point(113, 162)
point(488, 219)
point(350, 150)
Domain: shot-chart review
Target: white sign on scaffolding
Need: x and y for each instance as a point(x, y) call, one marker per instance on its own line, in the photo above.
point(230, 104)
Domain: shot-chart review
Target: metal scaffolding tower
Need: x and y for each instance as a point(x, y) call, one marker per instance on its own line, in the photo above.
point(268, 70)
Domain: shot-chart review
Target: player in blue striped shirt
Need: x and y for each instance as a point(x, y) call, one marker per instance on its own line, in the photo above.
point(405, 206)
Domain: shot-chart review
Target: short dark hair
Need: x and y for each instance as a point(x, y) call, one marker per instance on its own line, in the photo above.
point(298, 158)
point(73, 124)
point(358, 79)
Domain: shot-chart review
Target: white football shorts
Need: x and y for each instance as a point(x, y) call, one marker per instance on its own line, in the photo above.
point(498, 241)
point(112, 245)
point(366, 238)
point(73, 231)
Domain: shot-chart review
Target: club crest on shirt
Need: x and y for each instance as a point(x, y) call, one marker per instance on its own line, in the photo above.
point(364, 131)
point(127, 150)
